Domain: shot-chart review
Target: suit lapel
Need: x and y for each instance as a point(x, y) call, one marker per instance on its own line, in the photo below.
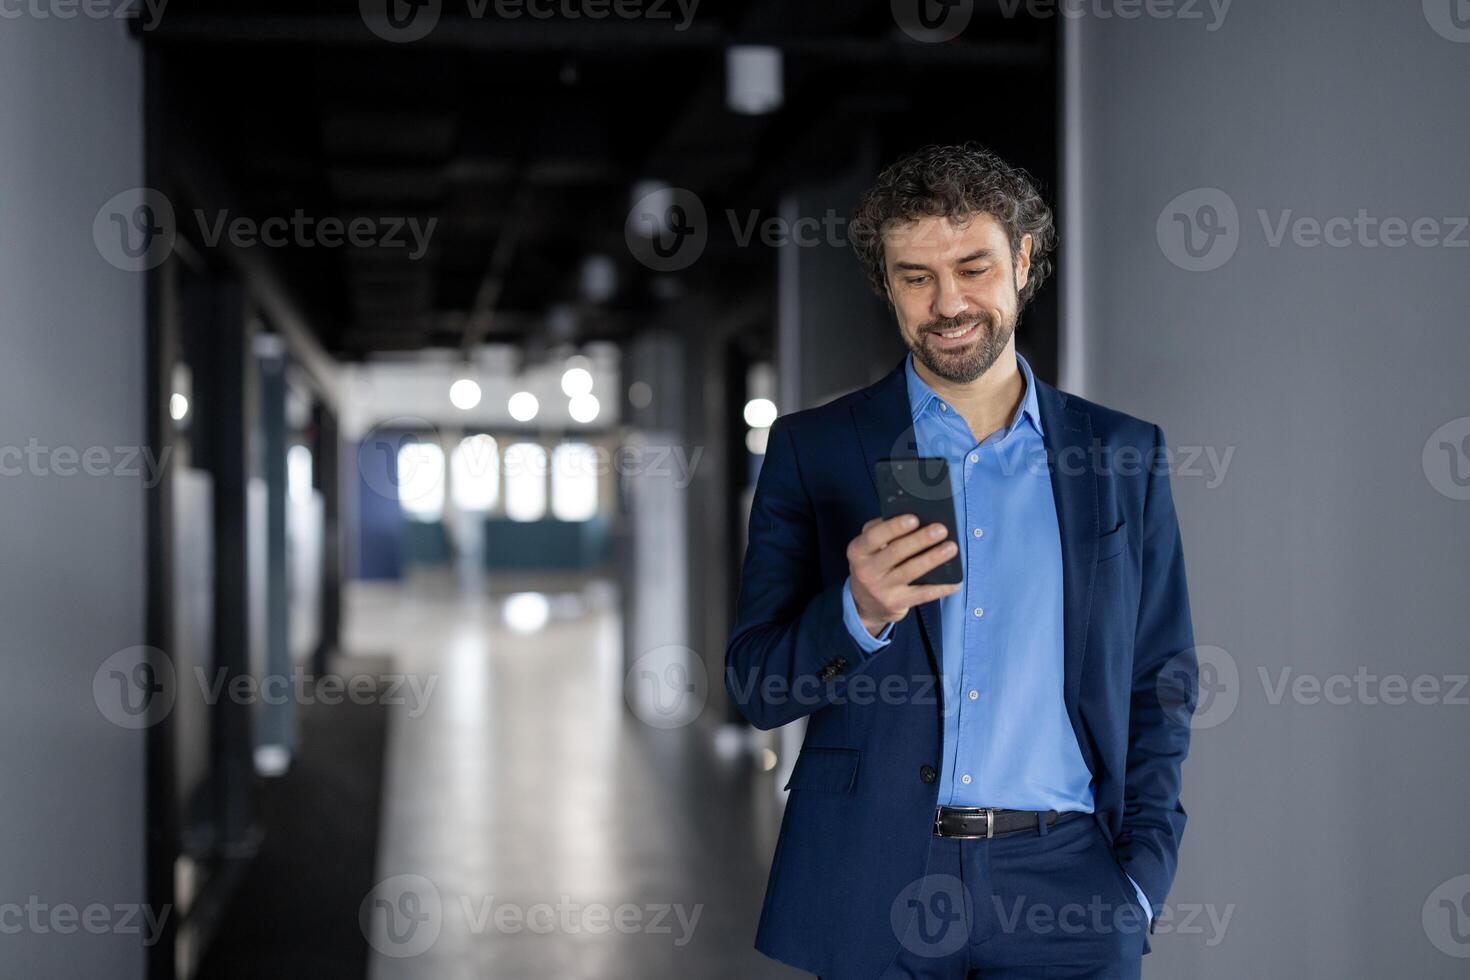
point(885, 428)
point(1067, 435)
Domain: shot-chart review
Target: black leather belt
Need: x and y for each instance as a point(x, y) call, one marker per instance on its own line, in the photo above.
point(970, 822)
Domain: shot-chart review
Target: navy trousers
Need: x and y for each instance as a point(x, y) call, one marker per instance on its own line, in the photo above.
point(1050, 903)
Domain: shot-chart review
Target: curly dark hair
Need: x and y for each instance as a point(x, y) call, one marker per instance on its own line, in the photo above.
point(957, 182)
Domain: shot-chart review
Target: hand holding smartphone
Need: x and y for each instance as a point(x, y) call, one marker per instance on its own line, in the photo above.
point(910, 555)
point(920, 486)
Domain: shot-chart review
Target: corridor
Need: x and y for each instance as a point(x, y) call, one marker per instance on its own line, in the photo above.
point(557, 834)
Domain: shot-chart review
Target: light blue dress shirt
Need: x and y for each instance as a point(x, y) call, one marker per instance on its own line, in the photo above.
point(1007, 739)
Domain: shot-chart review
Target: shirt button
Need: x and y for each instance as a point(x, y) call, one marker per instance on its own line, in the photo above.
point(974, 457)
point(979, 533)
point(965, 779)
point(943, 407)
point(974, 695)
point(979, 612)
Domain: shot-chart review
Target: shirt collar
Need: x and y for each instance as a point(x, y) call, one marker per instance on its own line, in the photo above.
point(923, 398)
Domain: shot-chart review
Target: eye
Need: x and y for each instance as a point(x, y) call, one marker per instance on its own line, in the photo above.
point(916, 280)
point(976, 272)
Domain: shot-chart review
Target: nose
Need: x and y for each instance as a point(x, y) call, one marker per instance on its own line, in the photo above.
point(949, 301)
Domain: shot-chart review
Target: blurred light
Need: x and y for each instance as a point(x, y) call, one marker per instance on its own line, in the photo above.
point(421, 480)
point(272, 760)
point(768, 760)
point(651, 201)
point(584, 408)
point(298, 474)
point(574, 482)
point(576, 382)
point(760, 413)
point(753, 79)
point(525, 481)
point(464, 394)
point(526, 612)
point(640, 393)
point(760, 380)
point(599, 278)
point(731, 741)
point(523, 406)
point(756, 439)
point(561, 322)
point(181, 383)
point(474, 473)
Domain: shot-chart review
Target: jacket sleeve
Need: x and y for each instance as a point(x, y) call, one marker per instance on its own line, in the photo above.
point(1165, 689)
point(789, 653)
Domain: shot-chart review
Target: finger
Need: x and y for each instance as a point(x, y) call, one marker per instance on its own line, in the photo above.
point(907, 545)
point(906, 572)
point(876, 536)
point(920, 594)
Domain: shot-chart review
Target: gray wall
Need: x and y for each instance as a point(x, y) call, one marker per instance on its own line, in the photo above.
point(1327, 548)
point(72, 576)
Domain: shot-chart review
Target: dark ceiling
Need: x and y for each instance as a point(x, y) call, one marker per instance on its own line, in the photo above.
point(522, 139)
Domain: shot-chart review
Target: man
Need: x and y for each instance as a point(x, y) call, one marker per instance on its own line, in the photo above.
point(989, 782)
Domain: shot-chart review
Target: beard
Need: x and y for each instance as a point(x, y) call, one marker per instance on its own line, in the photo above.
point(963, 364)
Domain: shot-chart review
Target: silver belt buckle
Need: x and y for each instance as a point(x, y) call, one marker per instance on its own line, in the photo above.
point(989, 812)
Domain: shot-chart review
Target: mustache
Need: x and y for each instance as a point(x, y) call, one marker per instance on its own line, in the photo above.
point(948, 323)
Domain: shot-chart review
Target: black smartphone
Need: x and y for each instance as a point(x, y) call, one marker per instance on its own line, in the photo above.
point(919, 485)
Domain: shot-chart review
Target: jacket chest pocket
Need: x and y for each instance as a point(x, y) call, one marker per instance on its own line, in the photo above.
point(1114, 543)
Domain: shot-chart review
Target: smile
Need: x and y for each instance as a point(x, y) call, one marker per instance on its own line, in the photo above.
point(950, 338)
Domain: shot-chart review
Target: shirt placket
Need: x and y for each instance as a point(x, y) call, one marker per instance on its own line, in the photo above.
point(971, 664)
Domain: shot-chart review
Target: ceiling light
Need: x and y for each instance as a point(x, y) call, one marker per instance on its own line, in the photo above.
point(464, 394)
point(584, 408)
point(576, 381)
point(760, 412)
point(523, 406)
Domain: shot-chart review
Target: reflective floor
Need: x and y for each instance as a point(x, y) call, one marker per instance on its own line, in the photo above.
point(532, 827)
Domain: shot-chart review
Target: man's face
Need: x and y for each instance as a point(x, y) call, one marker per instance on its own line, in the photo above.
point(955, 290)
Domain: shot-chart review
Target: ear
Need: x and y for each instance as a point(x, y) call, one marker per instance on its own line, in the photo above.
point(1023, 263)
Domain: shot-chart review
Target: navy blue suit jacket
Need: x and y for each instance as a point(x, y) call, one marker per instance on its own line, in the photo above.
point(863, 793)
